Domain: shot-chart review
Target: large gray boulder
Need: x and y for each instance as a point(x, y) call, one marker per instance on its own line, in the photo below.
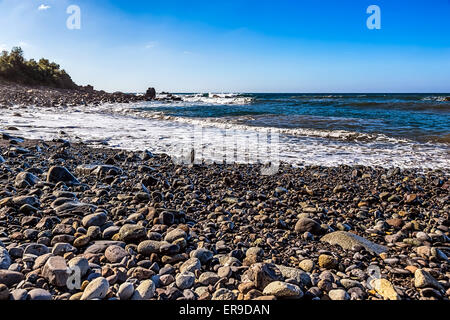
point(349, 241)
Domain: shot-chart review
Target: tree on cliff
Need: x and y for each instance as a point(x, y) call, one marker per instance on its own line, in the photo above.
point(14, 67)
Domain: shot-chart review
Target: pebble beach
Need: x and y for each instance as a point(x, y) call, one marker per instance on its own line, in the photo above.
point(136, 226)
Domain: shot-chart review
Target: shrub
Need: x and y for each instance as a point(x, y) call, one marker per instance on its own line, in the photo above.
point(14, 67)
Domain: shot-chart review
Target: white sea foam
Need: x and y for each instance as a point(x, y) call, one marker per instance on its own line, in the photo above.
point(122, 127)
point(435, 98)
point(211, 98)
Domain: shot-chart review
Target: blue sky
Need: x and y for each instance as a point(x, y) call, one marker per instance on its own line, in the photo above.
point(239, 45)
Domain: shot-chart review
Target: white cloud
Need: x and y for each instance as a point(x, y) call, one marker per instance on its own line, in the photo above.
point(3, 47)
point(43, 7)
point(23, 44)
point(187, 52)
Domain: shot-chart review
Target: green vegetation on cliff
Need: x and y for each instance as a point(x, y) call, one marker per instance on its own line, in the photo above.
point(15, 68)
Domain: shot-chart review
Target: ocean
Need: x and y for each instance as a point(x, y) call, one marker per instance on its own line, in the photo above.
point(389, 130)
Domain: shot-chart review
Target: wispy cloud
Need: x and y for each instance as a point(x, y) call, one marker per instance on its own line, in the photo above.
point(151, 45)
point(43, 7)
point(187, 52)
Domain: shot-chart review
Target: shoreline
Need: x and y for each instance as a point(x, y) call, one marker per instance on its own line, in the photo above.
point(142, 227)
point(140, 125)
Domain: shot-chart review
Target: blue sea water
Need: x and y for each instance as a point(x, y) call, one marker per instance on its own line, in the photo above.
point(418, 117)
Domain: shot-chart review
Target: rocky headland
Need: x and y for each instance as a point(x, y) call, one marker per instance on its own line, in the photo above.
point(40, 96)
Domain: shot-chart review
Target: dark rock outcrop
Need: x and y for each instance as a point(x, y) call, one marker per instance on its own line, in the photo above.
point(150, 94)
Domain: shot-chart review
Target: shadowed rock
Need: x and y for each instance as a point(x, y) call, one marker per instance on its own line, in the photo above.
point(308, 225)
point(261, 274)
point(10, 278)
point(5, 259)
point(423, 279)
point(292, 273)
point(25, 179)
point(60, 174)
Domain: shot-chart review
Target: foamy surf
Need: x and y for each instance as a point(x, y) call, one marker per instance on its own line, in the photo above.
point(236, 123)
point(208, 98)
point(119, 126)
